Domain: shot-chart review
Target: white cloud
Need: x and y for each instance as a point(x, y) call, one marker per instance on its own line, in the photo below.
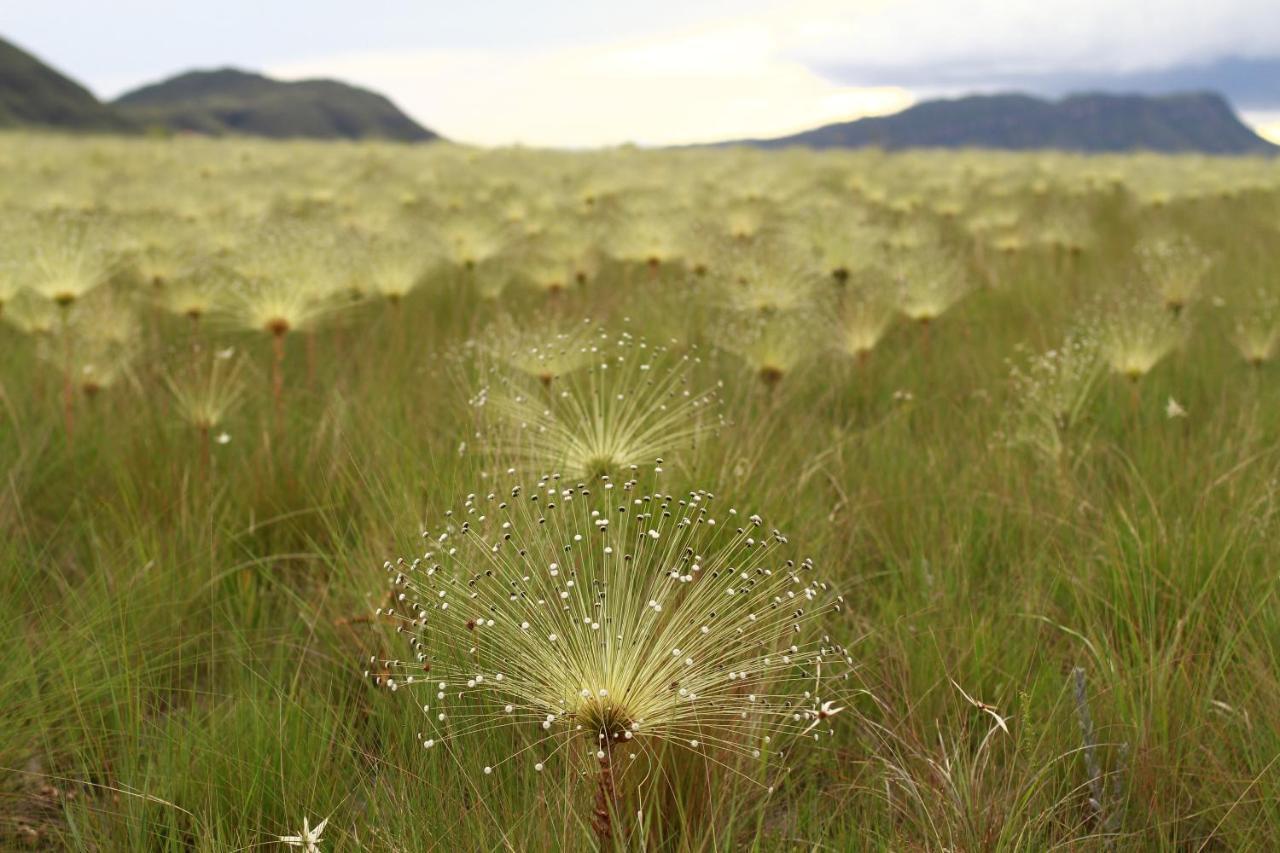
point(712, 83)
point(1018, 36)
point(759, 72)
point(1265, 124)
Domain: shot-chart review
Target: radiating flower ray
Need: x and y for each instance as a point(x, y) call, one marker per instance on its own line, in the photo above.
point(633, 403)
point(613, 619)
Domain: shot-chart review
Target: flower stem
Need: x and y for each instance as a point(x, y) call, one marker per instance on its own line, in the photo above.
point(277, 377)
point(606, 794)
point(204, 456)
point(68, 383)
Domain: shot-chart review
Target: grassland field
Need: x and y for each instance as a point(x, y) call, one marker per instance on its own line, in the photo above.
point(1020, 410)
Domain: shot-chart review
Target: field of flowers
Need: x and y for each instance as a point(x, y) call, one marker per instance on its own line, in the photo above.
point(376, 497)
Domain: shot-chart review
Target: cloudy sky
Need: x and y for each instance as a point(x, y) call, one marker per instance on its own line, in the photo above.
point(549, 72)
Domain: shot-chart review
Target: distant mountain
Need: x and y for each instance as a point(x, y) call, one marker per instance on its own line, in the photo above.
point(229, 101)
point(1195, 122)
point(219, 102)
point(33, 94)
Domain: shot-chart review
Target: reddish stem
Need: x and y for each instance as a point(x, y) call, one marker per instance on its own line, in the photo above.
point(277, 376)
point(204, 455)
point(606, 795)
point(68, 384)
point(313, 357)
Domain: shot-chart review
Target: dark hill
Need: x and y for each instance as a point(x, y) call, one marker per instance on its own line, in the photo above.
point(33, 94)
point(228, 101)
point(1196, 122)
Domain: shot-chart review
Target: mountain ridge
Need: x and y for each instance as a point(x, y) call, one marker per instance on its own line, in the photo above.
point(219, 102)
point(1091, 122)
point(34, 94)
point(229, 100)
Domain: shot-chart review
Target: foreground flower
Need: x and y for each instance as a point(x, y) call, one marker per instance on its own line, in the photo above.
point(765, 281)
point(1256, 330)
point(772, 348)
point(931, 280)
point(1051, 395)
point(291, 278)
point(206, 390)
point(1175, 267)
point(391, 263)
point(606, 623)
point(541, 353)
point(1137, 334)
point(204, 393)
point(633, 403)
point(863, 313)
point(69, 261)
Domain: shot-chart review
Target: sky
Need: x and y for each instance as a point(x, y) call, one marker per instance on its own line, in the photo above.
point(576, 74)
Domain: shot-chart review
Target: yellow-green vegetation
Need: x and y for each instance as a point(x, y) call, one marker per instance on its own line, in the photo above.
point(410, 498)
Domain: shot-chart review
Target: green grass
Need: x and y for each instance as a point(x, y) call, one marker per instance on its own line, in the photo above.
point(182, 656)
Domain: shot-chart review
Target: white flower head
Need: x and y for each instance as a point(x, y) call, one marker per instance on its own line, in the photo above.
point(665, 674)
point(309, 839)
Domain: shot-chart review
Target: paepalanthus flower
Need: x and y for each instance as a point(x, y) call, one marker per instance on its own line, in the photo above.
point(606, 621)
